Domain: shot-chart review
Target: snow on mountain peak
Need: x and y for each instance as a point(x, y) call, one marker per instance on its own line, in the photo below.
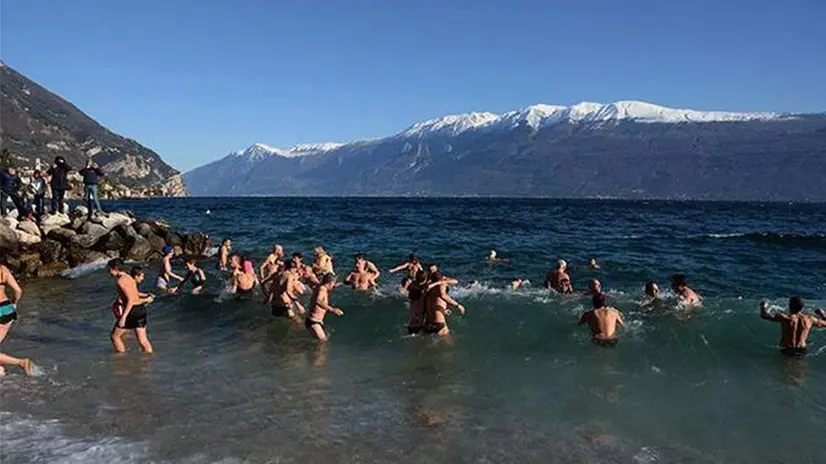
point(260, 150)
point(453, 124)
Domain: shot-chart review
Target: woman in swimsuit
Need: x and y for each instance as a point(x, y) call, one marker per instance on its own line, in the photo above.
point(8, 314)
point(413, 267)
point(195, 275)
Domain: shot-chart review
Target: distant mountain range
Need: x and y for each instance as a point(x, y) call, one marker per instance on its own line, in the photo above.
point(625, 149)
point(37, 124)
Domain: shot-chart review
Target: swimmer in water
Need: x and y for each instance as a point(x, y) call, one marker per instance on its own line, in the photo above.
point(794, 327)
point(603, 321)
point(493, 258)
point(594, 288)
point(285, 292)
point(245, 282)
point(165, 273)
point(651, 294)
point(195, 275)
point(518, 283)
point(688, 296)
point(592, 263)
point(415, 300)
point(437, 304)
point(323, 263)
point(362, 277)
point(320, 305)
point(223, 254)
point(8, 314)
point(412, 266)
point(129, 309)
point(273, 264)
point(473, 284)
point(558, 280)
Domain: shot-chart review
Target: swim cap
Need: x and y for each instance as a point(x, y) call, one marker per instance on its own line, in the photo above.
point(167, 249)
point(247, 267)
point(562, 263)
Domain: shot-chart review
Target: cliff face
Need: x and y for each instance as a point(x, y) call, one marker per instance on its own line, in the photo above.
point(37, 124)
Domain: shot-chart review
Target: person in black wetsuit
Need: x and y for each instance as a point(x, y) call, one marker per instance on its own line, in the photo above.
point(195, 275)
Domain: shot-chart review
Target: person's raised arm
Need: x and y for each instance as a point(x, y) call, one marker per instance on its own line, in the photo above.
point(765, 314)
point(371, 267)
point(449, 300)
point(398, 268)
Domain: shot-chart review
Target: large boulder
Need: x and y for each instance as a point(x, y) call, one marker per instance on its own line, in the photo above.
point(156, 242)
point(12, 261)
point(112, 220)
point(93, 230)
point(112, 241)
point(29, 263)
point(81, 211)
point(76, 255)
point(50, 251)
point(8, 239)
point(9, 221)
point(53, 221)
point(196, 244)
point(29, 227)
point(138, 249)
point(51, 269)
point(27, 239)
point(143, 229)
point(77, 223)
point(127, 231)
point(62, 235)
point(174, 239)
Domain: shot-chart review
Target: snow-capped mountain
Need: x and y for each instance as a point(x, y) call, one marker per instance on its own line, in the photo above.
point(626, 149)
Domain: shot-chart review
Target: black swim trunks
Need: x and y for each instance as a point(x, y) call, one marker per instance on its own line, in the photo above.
point(434, 327)
point(136, 318)
point(606, 342)
point(7, 312)
point(414, 329)
point(794, 352)
point(281, 311)
point(309, 323)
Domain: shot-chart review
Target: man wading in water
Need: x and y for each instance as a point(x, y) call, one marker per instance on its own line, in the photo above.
point(603, 322)
point(129, 309)
point(794, 327)
point(320, 305)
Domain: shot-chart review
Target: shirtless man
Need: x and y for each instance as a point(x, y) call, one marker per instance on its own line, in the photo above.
point(165, 273)
point(603, 322)
point(272, 264)
point(594, 288)
point(794, 327)
point(128, 309)
point(688, 296)
point(320, 305)
point(412, 266)
point(364, 276)
point(8, 314)
point(558, 280)
point(437, 303)
point(285, 293)
point(223, 254)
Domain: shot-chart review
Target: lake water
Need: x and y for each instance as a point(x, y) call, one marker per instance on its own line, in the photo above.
point(518, 381)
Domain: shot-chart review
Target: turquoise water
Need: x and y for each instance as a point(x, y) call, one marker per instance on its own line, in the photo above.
point(517, 382)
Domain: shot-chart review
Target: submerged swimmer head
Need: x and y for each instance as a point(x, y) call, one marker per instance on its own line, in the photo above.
point(492, 255)
point(652, 289)
point(594, 287)
point(561, 265)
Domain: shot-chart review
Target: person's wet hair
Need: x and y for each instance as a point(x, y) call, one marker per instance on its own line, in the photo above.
point(436, 276)
point(679, 280)
point(598, 300)
point(116, 264)
point(298, 255)
point(421, 277)
point(413, 258)
point(795, 304)
point(191, 260)
point(328, 278)
point(649, 287)
point(359, 256)
point(290, 265)
point(224, 241)
point(136, 271)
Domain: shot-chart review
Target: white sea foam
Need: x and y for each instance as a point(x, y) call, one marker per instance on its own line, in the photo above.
point(25, 439)
point(84, 269)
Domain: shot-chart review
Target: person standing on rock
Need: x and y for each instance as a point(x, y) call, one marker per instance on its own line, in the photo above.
point(38, 186)
point(10, 188)
point(91, 176)
point(129, 309)
point(8, 314)
point(59, 173)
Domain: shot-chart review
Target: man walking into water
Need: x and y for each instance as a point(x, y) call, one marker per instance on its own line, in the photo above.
point(165, 273)
point(602, 321)
point(320, 305)
point(364, 276)
point(794, 327)
point(688, 296)
point(223, 254)
point(129, 309)
point(8, 314)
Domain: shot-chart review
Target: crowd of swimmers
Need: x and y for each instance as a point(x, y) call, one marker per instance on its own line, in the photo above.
point(283, 282)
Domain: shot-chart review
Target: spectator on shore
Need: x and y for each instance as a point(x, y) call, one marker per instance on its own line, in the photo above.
point(59, 173)
point(91, 176)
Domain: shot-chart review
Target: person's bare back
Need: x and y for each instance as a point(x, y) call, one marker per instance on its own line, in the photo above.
point(602, 320)
point(794, 327)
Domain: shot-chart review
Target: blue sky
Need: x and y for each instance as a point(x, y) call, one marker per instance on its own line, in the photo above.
point(196, 79)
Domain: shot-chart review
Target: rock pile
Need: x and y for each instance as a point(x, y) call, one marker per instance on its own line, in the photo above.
point(62, 241)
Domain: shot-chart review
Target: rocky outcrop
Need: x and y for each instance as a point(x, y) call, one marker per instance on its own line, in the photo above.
point(62, 241)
